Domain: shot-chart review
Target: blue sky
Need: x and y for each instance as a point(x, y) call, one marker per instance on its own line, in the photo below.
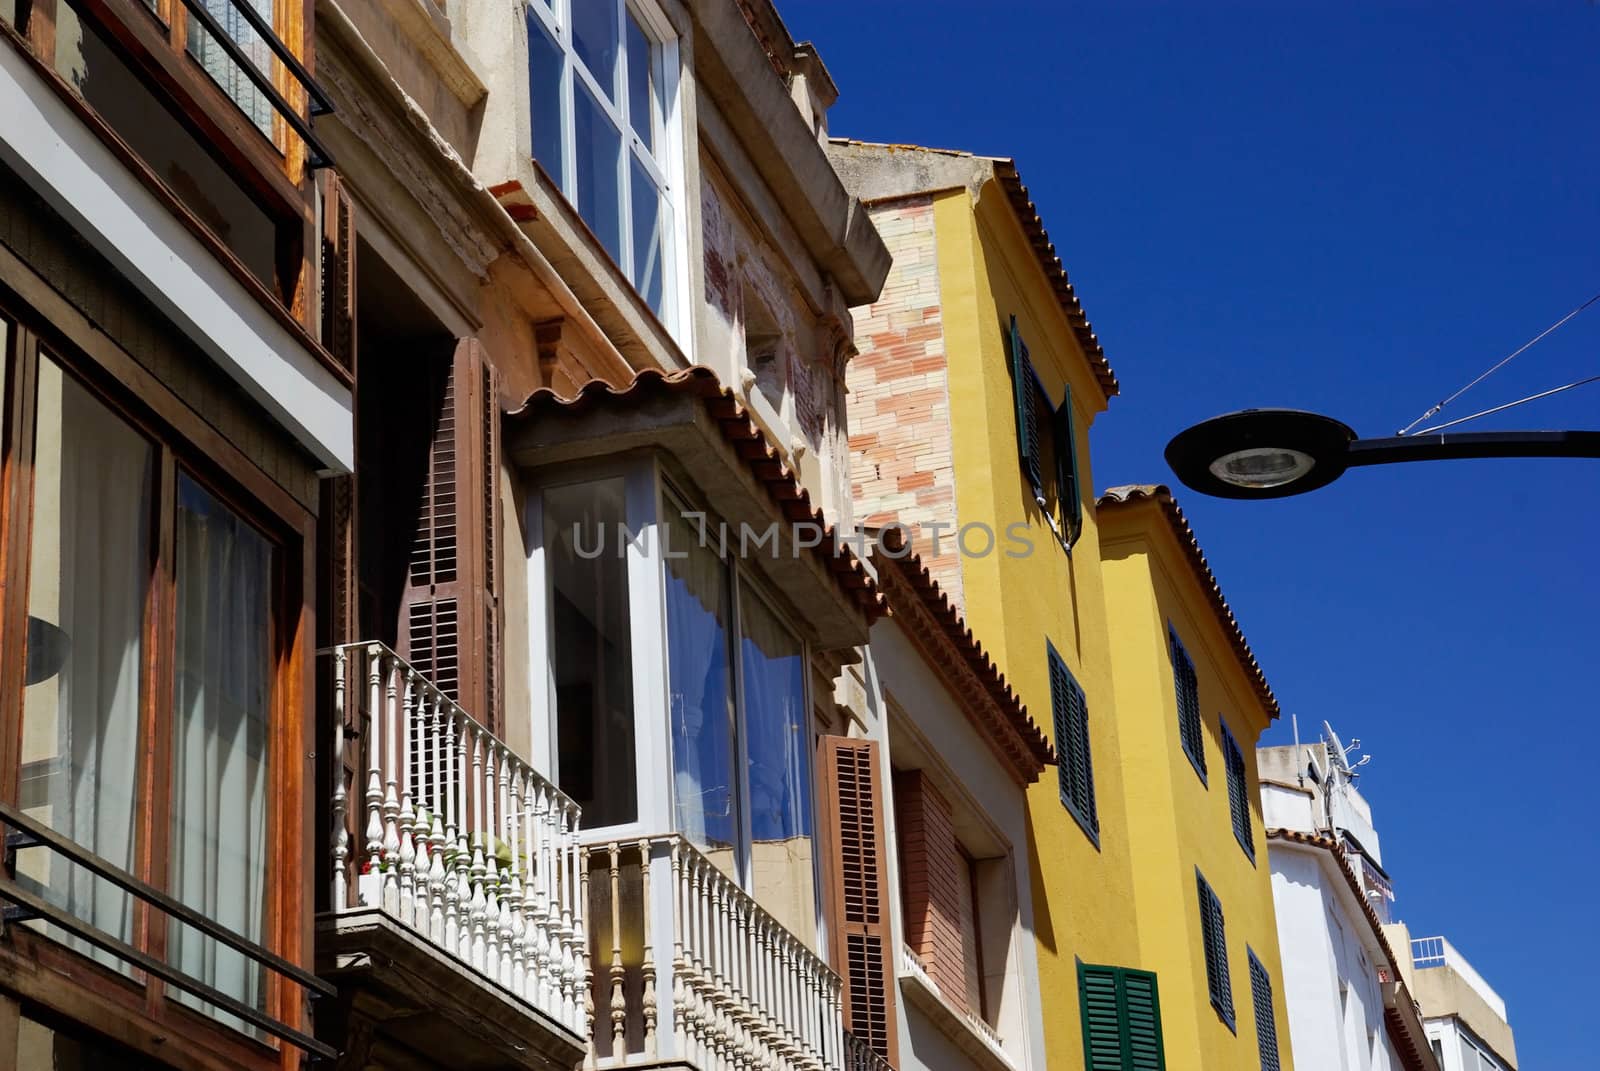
point(1355, 209)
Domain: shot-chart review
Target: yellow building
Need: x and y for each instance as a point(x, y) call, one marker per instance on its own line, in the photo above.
point(970, 403)
point(1191, 703)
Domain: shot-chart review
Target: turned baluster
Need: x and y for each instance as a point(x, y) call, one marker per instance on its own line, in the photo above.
point(438, 798)
point(340, 893)
point(647, 1000)
point(619, 1007)
point(367, 890)
point(399, 783)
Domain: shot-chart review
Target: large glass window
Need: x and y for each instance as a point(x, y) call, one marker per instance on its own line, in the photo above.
point(596, 81)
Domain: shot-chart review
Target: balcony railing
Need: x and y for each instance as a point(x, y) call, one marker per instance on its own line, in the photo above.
point(1428, 952)
point(689, 967)
point(460, 840)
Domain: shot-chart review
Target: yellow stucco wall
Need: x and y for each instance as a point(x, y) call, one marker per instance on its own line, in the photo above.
point(1083, 894)
point(1176, 822)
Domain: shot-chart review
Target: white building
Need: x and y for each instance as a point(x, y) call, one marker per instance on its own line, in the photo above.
point(1347, 989)
point(1464, 1017)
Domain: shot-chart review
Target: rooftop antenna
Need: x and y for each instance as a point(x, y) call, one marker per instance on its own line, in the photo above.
point(1299, 767)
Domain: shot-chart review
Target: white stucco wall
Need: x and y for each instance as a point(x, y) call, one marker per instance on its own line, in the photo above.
point(1330, 978)
point(898, 670)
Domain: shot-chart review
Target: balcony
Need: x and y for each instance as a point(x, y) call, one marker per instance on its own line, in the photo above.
point(690, 969)
point(1433, 952)
point(456, 931)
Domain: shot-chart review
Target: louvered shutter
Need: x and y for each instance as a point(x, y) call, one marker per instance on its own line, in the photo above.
point(1022, 393)
point(449, 614)
point(1238, 792)
point(1074, 763)
point(862, 943)
point(338, 276)
point(1121, 1019)
point(1213, 935)
point(1191, 729)
point(1266, 1025)
point(1066, 444)
point(1141, 1005)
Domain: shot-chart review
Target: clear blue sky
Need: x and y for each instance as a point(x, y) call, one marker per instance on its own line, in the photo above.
point(1353, 209)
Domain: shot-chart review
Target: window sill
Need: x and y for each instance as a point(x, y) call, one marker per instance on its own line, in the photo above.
point(971, 1034)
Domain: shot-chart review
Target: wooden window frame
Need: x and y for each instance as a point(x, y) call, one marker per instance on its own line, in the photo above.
point(273, 174)
point(43, 323)
point(1186, 687)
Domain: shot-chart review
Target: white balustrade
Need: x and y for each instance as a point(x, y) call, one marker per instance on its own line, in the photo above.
point(742, 992)
point(462, 842)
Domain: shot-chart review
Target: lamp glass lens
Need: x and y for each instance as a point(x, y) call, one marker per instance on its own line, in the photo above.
point(1262, 466)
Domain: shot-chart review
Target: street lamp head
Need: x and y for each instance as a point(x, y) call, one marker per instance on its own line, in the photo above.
point(1261, 453)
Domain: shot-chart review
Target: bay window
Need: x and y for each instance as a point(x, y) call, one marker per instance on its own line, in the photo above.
point(600, 75)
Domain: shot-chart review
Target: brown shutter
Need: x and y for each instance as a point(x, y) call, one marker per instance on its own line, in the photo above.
point(450, 612)
point(931, 871)
point(863, 946)
point(338, 271)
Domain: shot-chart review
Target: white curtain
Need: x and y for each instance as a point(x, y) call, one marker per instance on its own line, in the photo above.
point(223, 70)
point(90, 568)
point(219, 737)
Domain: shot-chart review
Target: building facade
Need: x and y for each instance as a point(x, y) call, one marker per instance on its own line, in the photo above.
point(1191, 703)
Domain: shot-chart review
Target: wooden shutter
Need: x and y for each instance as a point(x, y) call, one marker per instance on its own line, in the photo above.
point(450, 612)
point(1066, 444)
point(1214, 937)
point(931, 873)
point(1266, 1025)
point(1022, 392)
point(338, 297)
point(863, 946)
point(1121, 1012)
point(1074, 763)
point(1191, 730)
point(1238, 792)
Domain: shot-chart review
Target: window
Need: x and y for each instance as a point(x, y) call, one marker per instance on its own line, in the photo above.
point(1046, 441)
point(1266, 1024)
point(1074, 767)
point(598, 81)
point(1238, 791)
point(1191, 731)
point(150, 688)
point(1214, 938)
point(221, 67)
point(1121, 1019)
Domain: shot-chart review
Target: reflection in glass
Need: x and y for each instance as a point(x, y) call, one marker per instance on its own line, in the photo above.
point(701, 692)
point(647, 231)
point(544, 91)
point(221, 704)
point(641, 84)
point(216, 62)
point(89, 574)
point(778, 732)
point(591, 649)
point(599, 148)
point(594, 35)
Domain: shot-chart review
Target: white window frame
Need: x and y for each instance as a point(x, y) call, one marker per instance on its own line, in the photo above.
point(665, 164)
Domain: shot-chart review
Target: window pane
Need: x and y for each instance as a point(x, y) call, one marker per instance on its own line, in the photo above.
point(544, 90)
point(599, 148)
point(585, 553)
point(647, 232)
point(779, 732)
point(641, 84)
point(701, 693)
point(594, 35)
point(89, 574)
point(222, 686)
point(220, 66)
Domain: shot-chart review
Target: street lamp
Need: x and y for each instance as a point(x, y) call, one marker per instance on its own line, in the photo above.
point(1272, 453)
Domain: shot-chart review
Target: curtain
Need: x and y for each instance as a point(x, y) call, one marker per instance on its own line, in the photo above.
point(221, 694)
point(701, 689)
point(223, 70)
point(89, 573)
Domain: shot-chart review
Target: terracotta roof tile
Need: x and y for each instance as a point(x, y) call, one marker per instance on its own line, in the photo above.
point(748, 441)
point(916, 598)
point(1132, 493)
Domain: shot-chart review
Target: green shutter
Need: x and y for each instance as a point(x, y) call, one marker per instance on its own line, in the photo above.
point(1191, 730)
point(1074, 766)
point(1022, 392)
point(1238, 792)
point(1266, 1025)
point(1121, 1019)
point(1066, 444)
point(1213, 935)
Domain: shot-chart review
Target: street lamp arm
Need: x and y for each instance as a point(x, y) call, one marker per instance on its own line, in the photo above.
point(1446, 446)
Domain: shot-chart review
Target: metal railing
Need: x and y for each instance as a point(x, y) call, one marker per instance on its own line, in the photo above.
point(462, 842)
point(25, 833)
point(1432, 952)
point(318, 155)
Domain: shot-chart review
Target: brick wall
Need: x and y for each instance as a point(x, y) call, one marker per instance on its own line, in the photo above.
point(899, 401)
point(931, 867)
